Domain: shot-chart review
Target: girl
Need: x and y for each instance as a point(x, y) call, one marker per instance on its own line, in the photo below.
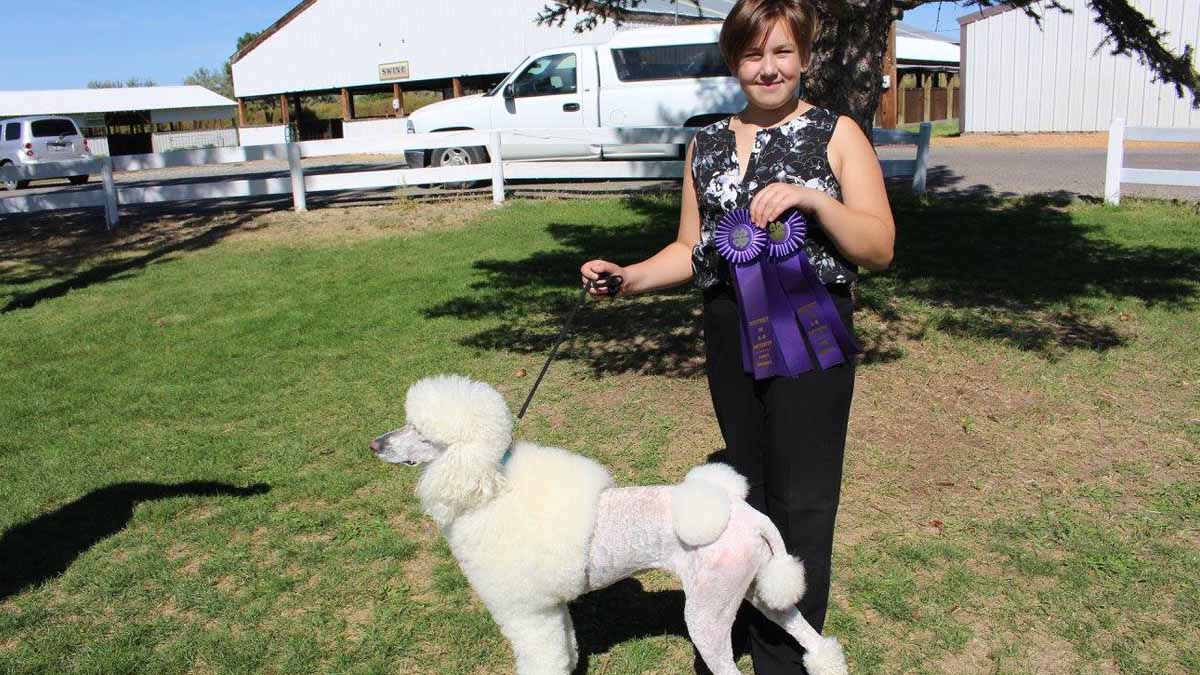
point(787, 435)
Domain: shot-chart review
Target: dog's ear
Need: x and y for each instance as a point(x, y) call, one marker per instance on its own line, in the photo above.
point(463, 478)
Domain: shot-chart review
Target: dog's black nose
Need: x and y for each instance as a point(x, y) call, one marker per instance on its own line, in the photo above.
point(375, 445)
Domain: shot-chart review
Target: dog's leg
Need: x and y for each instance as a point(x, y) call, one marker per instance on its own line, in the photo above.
point(572, 645)
point(539, 640)
point(822, 655)
point(714, 589)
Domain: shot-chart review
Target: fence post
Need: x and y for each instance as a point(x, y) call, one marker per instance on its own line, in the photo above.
point(497, 168)
point(1115, 161)
point(299, 198)
point(922, 158)
point(112, 214)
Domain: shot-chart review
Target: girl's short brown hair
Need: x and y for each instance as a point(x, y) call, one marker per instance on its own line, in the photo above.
point(751, 18)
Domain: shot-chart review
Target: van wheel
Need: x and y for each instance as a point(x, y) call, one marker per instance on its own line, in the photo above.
point(78, 180)
point(9, 184)
point(459, 157)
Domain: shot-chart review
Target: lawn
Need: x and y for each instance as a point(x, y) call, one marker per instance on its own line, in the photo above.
point(187, 405)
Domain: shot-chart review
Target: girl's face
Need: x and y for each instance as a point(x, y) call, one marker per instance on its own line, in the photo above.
point(769, 70)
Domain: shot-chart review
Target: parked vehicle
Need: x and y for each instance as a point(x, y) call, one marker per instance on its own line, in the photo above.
point(672, 76)
point(39, 140)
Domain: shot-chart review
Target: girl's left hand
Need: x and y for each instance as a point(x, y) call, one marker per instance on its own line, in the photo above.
point(776, 198)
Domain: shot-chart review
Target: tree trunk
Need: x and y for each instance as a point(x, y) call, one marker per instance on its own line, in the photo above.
point(847, 62)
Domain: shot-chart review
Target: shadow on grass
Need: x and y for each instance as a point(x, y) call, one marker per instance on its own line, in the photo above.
point(45, 547)
point(982, 264)
point(625, 611)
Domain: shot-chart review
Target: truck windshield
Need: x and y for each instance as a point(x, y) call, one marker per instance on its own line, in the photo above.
point(496, 89)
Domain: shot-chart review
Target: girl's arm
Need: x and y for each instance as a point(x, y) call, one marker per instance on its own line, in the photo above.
point(861, 225)
point(669, 267)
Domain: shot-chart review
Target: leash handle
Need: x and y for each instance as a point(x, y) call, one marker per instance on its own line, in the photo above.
point(612, 285)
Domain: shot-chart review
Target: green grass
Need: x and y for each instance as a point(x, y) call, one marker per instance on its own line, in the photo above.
point(949, 127)
point(187, 487)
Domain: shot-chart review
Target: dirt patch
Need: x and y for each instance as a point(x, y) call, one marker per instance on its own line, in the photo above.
point(1058, 140)
point(356, 620)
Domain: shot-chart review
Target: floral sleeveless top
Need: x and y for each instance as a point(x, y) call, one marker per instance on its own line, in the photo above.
point(793, 152)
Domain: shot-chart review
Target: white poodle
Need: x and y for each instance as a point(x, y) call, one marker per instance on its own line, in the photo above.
point(535, 527)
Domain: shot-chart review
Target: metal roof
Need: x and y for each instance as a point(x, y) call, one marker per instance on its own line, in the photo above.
point(63, 101)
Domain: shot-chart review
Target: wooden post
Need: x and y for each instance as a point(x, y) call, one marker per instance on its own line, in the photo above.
point(284, 112)
point(927, 85)
point(962, 78)
point(497, 168)
point(398, 94)
point(347, 105)
point(1115, 162)
point(112, 214)
point(887, 103)
point(299, 198)
point(241, 118)
point(901, 102)
point(457, 86)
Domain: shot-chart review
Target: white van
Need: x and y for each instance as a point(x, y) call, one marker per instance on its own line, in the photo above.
point(672, 76)
point(39, 140)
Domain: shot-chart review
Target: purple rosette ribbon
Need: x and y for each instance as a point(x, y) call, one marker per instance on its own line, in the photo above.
point(781, 300)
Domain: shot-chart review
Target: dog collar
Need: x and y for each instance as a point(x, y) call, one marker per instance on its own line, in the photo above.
point(507, 456)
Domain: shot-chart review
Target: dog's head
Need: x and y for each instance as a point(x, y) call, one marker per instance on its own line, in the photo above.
point(461, 428)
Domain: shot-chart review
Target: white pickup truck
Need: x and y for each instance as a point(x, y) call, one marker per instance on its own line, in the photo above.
point(672, 76)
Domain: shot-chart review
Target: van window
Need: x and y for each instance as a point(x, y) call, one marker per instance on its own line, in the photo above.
point(669, 62)
point(12, 131)
point(53, 128)
point(547, 75)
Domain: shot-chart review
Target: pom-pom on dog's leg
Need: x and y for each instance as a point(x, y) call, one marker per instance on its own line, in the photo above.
point(822, 655)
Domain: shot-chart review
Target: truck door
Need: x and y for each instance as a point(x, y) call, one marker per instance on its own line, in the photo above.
point(546, 94)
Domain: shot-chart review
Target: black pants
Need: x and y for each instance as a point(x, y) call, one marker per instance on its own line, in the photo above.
point(787, 436)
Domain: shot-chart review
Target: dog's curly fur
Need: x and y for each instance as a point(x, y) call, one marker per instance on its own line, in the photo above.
point(535, 527)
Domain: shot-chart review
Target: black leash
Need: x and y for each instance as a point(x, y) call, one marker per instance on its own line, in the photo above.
point(612, 285)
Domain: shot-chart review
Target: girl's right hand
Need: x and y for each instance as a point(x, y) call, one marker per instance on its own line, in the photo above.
point(592, 270)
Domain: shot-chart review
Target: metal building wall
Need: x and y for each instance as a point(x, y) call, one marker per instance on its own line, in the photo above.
point(340, 43)
point(1020, 78)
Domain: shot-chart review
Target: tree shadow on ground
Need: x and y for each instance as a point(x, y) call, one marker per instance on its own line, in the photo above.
point(985, 265)
point(45, 547)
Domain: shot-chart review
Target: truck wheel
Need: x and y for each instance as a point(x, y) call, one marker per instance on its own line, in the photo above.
point(78, 180)
point(462, 156)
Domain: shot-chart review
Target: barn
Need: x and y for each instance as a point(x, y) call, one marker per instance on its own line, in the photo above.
point(1019, 77)
point(355, 51)
point(134, 120)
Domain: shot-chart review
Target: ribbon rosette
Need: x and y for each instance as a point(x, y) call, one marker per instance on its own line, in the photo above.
point(781, 300)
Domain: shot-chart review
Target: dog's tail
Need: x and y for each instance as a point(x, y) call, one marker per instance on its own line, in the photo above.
point(701, 504)
point(779, 583)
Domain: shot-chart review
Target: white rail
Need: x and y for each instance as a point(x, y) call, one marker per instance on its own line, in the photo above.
point(299, 185)
point(1116, 173)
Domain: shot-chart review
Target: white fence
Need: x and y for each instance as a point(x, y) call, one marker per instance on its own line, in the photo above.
point(1116, 172)
point(299, 185)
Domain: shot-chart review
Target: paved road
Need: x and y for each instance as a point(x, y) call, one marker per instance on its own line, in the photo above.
point(1031, 170)
point(1078, 171)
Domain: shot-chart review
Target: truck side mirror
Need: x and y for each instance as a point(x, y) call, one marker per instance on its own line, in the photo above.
point(508, 91)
